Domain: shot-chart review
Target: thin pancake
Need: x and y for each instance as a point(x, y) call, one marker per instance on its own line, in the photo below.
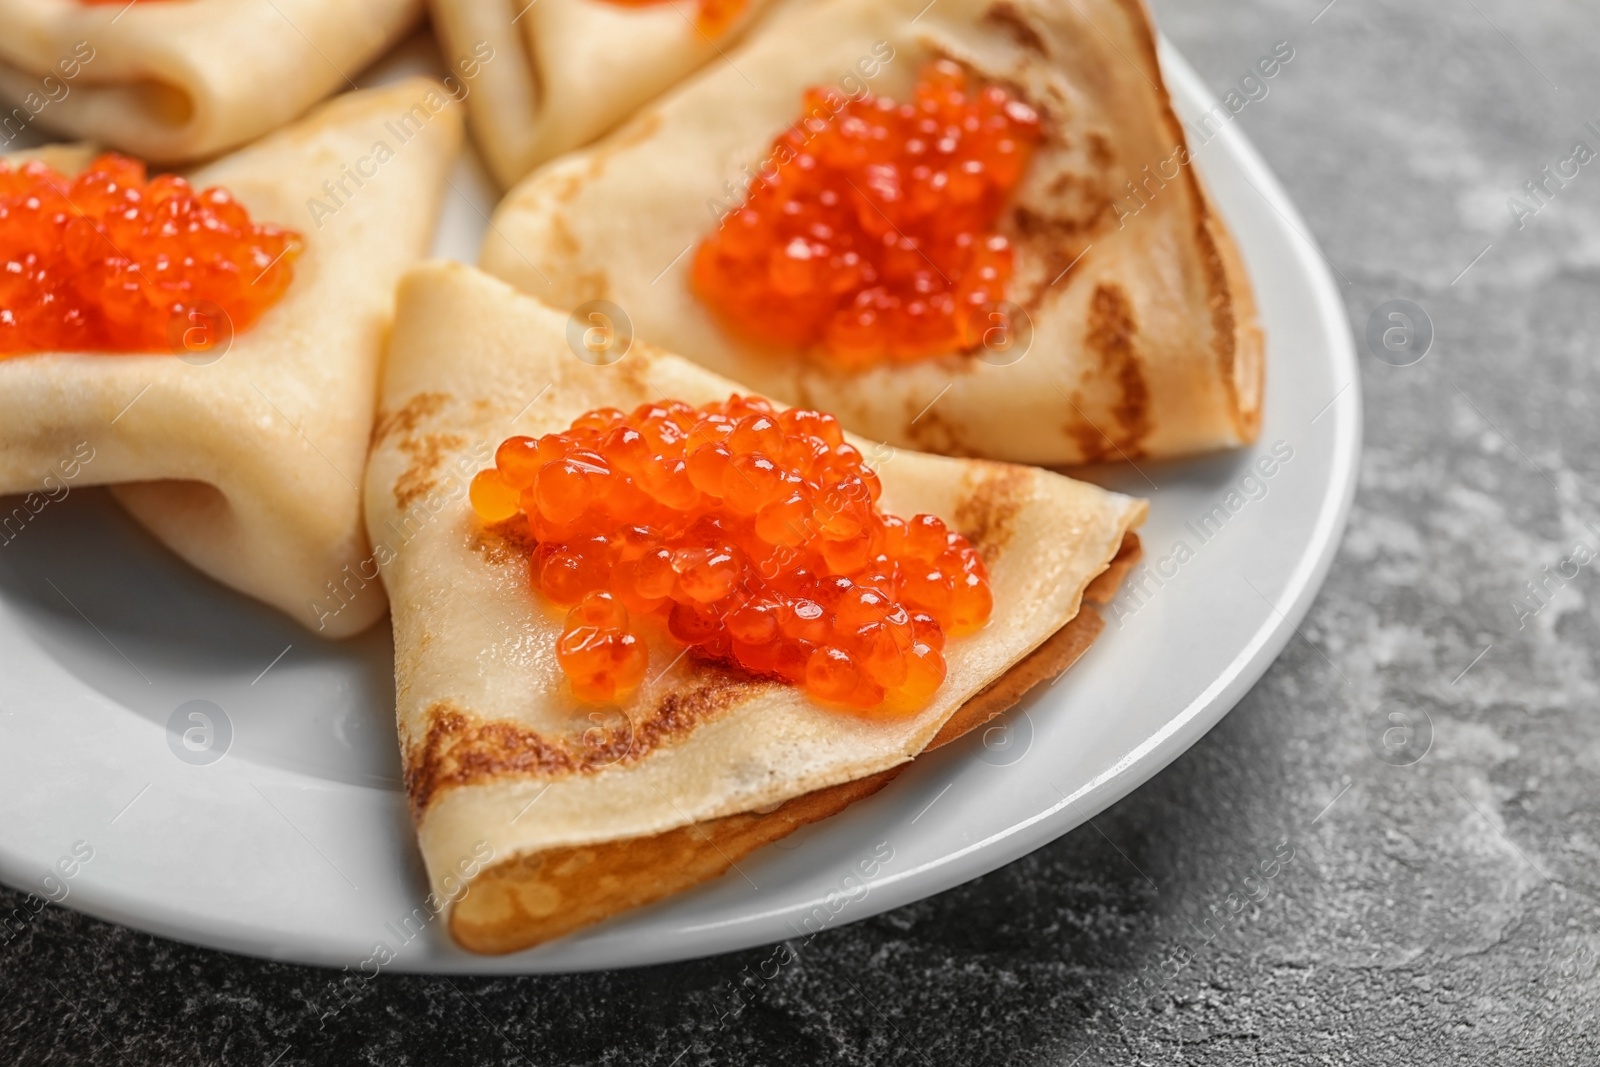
point(563, 72)
point(173, 82)
point(248, 466)
point(1144, 339)
point(500, 761)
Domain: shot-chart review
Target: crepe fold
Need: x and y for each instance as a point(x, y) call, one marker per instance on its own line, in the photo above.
point(247, 461)
point(537, 815)
point(1137, 332)
point(173, 82)
point(555, 75)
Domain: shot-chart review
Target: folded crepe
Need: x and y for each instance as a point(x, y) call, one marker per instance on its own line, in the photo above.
point(248, 465)
point(1144, 339)
point(171, 82)
point(537, 815)
point(556, 74)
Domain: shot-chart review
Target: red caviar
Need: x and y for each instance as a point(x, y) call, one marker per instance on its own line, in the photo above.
point(714, 18)
point(110, 261)
point(754, 536)
point(873, 235)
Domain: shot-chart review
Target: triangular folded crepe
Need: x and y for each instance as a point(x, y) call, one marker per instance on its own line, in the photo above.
point(536, 817)
point(1144, 336)
point(171, 82)
point(248, 466)
point(553, 75)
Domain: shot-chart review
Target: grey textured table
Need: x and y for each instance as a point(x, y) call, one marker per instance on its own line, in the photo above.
point(1443, 911)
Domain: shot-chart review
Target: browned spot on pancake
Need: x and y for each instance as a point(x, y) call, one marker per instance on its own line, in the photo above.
point(1061, 265)
point(1059, 185)
point(1070, 207)
point(409, 415)
point(930, 431)
point(561, 257)
point(1111, 333)
point(713, 690)
point(1101, 152)
point(460, 749)
point(427, 453)
point(988, 511)
point(505, 542)
point(564, 187)
point(1109, 336)
point(572, 287)
point(1092, 444)
point(1058, 221)
point(1225, 329)
point(457, 750)
point(1006, 15)
point(632, 371)
point(640, 130)
point(562, 242)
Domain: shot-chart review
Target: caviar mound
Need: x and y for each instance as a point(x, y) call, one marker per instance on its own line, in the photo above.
point(872, 237)
point(752, 535)
point(110, 261)
point(714, 18)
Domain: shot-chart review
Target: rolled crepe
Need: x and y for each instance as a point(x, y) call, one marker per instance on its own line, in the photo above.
point(553, 75)
point(173, 81)
point(248, 466)
point(636, 804)
point(1144, 339)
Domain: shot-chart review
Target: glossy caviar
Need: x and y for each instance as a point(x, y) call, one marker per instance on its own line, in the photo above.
point(873, 237)
point(110, 261)
point(714, 18)
point(754, 536)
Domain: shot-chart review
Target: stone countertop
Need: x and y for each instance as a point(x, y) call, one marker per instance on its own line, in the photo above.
point(1443, 911)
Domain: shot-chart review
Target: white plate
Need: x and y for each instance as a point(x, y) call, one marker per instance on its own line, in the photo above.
point(296, 844)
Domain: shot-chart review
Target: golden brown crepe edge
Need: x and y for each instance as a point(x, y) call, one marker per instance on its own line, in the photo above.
point(1238, 339)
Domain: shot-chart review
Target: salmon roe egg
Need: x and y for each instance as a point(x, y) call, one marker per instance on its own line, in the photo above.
point(110, 261)
point(870, 232)
point(714, 18)
point(750, 535)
